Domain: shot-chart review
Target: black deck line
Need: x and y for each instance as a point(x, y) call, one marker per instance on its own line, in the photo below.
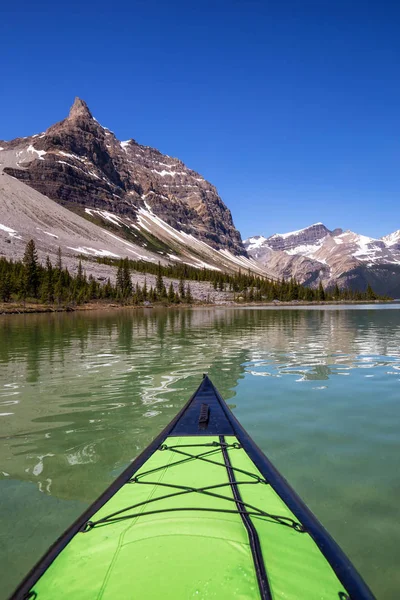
point(259, 565)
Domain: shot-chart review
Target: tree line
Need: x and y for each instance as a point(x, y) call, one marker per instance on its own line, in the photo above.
point(54, 284)
point(246, 286)
point(291, 290)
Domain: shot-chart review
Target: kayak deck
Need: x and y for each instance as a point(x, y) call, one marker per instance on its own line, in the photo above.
point(183, 543)
point(196, 519)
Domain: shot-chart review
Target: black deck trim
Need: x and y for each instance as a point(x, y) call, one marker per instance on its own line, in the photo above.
point(229, 425)
point(259, 565)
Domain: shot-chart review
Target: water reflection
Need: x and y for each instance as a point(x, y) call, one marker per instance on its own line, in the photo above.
point(82, 394)
point(79, 390)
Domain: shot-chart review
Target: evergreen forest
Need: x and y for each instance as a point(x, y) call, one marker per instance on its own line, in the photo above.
point(29, 280)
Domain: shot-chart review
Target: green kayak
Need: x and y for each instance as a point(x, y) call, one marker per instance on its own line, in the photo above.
point(201, 513)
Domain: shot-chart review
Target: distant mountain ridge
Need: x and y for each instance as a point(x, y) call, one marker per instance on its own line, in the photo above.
point(316, 253)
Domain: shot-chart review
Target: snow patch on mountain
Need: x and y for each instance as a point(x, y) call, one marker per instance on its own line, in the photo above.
point(40, 153)
point(53, 235)
point(392, 238)
point(105, 215)
point(255, 242)
point(69, 155)
point(293, 233)
point(94, 252)
point(187, 248)
point(11, 232)
point(305, 249)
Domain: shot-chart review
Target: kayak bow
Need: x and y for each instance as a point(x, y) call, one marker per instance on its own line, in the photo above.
point(201, 513)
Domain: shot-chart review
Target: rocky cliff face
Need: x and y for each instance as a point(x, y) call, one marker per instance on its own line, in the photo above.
point(81, 164)
point(317, 254)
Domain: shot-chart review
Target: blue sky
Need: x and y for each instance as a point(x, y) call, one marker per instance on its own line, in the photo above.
point(290, 107)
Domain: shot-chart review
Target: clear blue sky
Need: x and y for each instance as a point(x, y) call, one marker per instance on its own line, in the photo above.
point(290, 107)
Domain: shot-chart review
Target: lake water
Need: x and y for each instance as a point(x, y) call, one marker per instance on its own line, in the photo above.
point(318, 389)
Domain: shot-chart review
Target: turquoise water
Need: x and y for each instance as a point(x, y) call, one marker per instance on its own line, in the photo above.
point(318, 389)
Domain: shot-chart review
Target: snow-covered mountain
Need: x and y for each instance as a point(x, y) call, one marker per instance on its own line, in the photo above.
point(140, 203)
point(316, 253)
point(392, 239)
point(304, 241)
point(79, 163)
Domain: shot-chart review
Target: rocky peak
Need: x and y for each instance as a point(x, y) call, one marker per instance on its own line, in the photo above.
point(80, 109)
point(293, 239)
point(81, 164)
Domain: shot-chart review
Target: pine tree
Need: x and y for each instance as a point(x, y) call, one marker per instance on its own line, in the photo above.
point(336, 292)
point(79, 277)
point(370, 294)
point(120, 281)
point(188, 294)
point(127, 286)
point(30, 261)
point(181, 288)
point(47, 294)
point(171, 293)
point(58, 289)
point(321, 292)
point(160, 287)
point(152, 294)
point(309, 294)
point(92, 291)
point(59, 259)
point(5, 288)
point(108, 291)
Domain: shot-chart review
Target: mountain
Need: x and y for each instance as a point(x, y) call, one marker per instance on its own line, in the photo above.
point(77, 162)
point(147, 204)
point(303, 241)
point(393, 239)
point(315, 254)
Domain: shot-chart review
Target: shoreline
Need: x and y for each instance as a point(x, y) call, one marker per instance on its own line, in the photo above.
point(15, 308)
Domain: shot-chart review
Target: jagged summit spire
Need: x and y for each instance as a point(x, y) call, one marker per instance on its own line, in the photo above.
point(80, 109)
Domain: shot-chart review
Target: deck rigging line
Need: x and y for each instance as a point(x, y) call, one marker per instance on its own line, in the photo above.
point(243, 508)
point(261, 573)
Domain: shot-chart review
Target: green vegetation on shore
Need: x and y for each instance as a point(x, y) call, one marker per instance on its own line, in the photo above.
point(248, 287)
point(28, 280)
